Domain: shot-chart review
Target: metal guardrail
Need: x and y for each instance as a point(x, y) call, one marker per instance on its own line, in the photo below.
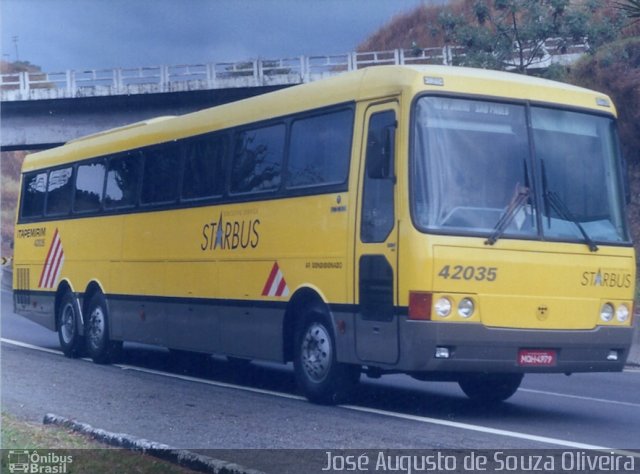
point(24, 86)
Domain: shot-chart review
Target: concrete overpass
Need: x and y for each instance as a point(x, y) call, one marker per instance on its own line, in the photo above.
point(40, 124)
point(41, 110)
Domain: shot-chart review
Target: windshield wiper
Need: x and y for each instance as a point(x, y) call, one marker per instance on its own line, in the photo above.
point(519, 199)
point(564, 212)
point(556, 202)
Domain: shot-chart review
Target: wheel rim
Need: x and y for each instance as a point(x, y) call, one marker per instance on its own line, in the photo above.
point(316, 352)
point(67, 323)
point(96, 327)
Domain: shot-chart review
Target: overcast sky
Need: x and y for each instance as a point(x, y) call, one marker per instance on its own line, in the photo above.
point(87, 34)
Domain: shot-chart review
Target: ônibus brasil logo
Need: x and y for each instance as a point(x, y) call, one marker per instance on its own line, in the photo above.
point(36, 463)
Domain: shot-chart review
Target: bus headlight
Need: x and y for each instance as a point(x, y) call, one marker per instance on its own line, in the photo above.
point(443, 307)
point(466, 308)
point(622, 313)
point(606, 313)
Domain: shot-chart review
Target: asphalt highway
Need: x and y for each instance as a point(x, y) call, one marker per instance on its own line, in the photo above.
point(212, 406)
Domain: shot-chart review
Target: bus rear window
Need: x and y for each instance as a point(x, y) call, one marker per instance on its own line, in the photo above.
point(33, 193)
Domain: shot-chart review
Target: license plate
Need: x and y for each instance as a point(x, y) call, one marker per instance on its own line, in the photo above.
point(537, 357)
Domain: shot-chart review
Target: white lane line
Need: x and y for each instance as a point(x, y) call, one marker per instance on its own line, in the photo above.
point(478, 428)
point(391, 414)
point(403, 416)
point(580, 397)
point(210, 382)
point(30, 346)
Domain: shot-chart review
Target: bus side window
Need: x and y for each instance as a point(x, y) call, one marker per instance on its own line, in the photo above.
point(33, 193)
point(160, 175)
point(88, 190)
point(204, 174)
point(257, 162)
point(122, 181)
point(320, 149)
point(59, 191)
point(378, 192)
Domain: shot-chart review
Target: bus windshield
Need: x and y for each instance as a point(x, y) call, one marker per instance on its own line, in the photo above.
point(474, 163)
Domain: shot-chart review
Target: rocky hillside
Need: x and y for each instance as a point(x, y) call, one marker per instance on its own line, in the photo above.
point(10, 163)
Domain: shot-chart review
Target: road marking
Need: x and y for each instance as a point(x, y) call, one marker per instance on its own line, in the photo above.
point(30, 346)
point(422, 419)
point(580, 397)
point(209, 382)
point(391, 414)
point(479, 428)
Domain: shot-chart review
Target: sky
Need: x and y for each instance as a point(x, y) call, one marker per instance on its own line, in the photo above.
point(91, 34)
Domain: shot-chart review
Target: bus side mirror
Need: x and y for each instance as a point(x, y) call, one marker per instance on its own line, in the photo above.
point(380, 155)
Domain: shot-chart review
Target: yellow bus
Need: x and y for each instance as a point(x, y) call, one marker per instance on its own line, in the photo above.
point(447, 223)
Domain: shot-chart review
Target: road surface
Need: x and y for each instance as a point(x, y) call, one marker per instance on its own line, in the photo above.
point(213, 407)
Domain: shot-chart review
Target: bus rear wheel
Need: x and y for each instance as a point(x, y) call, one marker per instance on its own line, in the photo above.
point(321, 377)
point(100, 347)
point(68, 321)
point(490, 388)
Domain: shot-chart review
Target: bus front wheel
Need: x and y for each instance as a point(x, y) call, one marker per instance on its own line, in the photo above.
point(321, 377)
point(490, 388)
point(99, 346)
point(68, 322)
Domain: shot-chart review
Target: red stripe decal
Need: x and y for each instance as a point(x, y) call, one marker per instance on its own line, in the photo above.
point(281, 287)
point(56, 267)
point(270, 280)
point(46, 261)
point(51, 264)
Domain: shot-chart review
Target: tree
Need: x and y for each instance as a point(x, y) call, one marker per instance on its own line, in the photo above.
point(515, 34)
point(631, 8)
point(615, 70)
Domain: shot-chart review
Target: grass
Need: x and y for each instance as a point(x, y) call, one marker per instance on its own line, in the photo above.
point(87, 455)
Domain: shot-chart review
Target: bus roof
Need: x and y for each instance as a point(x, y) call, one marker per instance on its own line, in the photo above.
point(368, 83)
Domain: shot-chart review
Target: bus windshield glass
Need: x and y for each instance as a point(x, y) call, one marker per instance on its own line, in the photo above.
point(472, 173)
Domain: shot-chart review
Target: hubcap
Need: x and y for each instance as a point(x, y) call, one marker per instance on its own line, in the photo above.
point(316, 352)
point(67, 320)
point(96, 327)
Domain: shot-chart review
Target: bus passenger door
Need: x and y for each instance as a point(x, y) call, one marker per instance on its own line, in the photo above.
point(377, 241)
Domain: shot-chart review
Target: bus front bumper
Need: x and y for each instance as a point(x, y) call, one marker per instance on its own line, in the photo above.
point(474, 347)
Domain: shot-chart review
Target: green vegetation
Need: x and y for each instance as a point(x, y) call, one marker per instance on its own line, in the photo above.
point(615, 70)
point(87, 455)
point(631, 8)
point(512, 34)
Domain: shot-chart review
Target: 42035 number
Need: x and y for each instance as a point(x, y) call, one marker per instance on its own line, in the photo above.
point(460, 272)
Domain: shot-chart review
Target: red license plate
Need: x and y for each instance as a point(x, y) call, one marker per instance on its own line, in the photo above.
point(537, 357)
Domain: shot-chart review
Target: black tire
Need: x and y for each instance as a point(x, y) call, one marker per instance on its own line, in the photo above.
point(490, 388)
point(100, 347)
point(68, 323)
point(321, 378)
